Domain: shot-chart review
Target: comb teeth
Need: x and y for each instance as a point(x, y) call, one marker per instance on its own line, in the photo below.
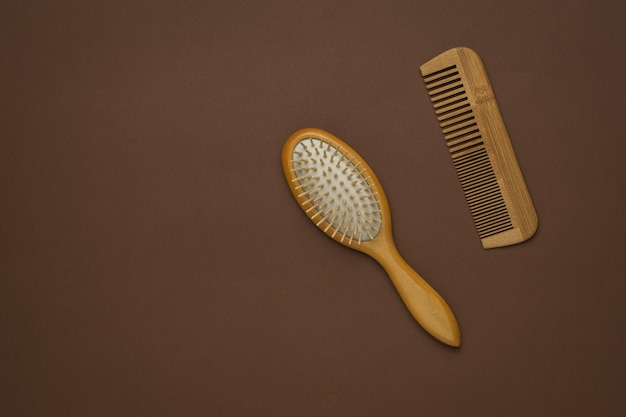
point(467, 149)
point(482, 193)
point(480, 148)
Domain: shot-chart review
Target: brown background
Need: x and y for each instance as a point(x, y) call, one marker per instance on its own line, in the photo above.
point(154, 263)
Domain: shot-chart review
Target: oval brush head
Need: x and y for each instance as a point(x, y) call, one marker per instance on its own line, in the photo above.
point(340, 193)
point(336, 188)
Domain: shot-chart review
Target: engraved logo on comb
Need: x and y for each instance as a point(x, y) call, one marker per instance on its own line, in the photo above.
point(483, 93)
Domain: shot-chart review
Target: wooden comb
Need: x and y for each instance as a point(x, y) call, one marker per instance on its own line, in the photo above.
point(480, 148)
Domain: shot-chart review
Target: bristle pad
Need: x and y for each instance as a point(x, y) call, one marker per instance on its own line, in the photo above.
point(335, 191)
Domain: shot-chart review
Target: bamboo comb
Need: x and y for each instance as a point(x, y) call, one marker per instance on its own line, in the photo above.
point(480, 148)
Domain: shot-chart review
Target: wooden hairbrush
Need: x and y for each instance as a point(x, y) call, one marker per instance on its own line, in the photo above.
point(340, 193)
point(480, 148)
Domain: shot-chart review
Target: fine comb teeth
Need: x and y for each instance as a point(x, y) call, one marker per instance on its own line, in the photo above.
point(480, 148)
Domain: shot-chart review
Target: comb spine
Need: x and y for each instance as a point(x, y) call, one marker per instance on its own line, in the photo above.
point(500, 148)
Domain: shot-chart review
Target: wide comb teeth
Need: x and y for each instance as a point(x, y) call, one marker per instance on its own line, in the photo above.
point(480, 148)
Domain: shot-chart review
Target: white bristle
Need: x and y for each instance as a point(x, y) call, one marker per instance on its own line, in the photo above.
point(337, 190)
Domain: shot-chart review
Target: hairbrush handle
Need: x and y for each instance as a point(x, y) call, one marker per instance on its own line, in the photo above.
point(424, 303)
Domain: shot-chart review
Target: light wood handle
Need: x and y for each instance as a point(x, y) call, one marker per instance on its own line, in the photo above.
point(424, 303)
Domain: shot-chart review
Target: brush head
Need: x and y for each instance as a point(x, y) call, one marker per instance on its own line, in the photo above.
point(335, 187)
